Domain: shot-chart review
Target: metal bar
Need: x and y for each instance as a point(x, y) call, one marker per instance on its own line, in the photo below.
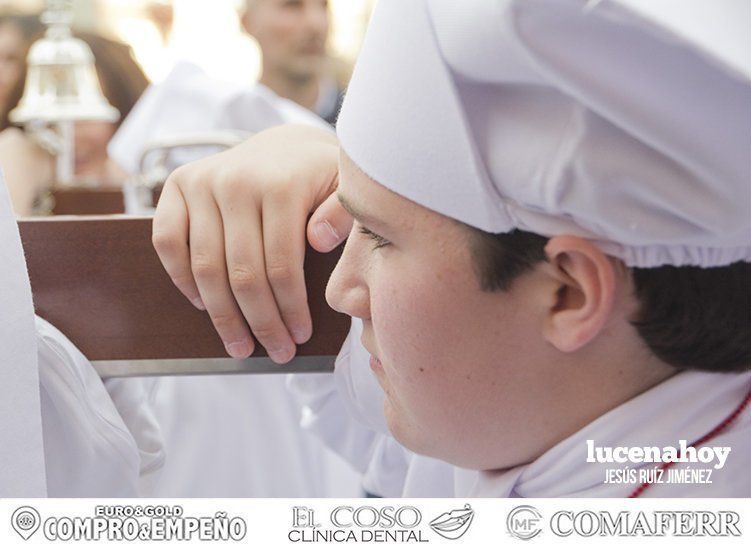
point(198, 367)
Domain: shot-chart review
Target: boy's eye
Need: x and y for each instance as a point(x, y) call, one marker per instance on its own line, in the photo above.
point(379, 240)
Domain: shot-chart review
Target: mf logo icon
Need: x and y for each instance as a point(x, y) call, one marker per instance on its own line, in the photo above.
point(524, 522)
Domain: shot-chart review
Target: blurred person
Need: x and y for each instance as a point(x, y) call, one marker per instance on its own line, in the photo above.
point(162, 14)
point(17, 31)
point(292, 36)
point(30, 169)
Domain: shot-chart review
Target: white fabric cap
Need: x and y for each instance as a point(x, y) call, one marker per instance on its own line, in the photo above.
point(557, 117)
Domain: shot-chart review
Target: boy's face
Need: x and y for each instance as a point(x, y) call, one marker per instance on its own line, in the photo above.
point(465, 372)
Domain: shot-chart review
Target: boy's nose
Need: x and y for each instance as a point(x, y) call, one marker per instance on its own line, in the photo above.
point(347, 291)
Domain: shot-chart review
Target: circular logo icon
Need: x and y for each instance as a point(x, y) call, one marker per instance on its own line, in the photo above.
point(524, 522)
point(25, 521)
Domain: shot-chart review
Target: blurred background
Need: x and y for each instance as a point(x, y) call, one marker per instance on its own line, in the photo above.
point(223, 65)
point(208, 34)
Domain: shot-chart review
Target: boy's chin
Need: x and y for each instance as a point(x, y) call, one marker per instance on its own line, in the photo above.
point(430, 446)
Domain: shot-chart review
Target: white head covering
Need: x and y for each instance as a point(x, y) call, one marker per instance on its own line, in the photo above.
point(557, 116)
point(22, 471)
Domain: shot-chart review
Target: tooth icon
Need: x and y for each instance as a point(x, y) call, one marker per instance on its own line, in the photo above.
point(452, 525)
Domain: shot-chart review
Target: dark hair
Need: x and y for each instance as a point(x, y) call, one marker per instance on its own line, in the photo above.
point(121, 77)
point(27, 23)
point(690, 317)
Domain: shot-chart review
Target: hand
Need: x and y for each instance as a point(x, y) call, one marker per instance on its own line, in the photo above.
point(230, 231)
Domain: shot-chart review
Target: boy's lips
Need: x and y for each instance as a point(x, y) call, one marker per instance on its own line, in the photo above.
point(375, 364)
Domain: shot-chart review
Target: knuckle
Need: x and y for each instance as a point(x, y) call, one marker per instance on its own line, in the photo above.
point(243, 278)
point(183, 282)
point(164, 241)
point(205, 268)
point(279, 274)
point(233, 187)
point(225, 322)
point(295, 316)
point(177, 176)
point(266, 331)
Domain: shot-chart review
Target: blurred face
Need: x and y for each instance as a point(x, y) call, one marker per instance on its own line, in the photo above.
point(11, 59)
point(291, 33)
point(91, 139)
point(463, 370)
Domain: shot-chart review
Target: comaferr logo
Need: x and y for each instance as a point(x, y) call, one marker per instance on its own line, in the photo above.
point(526, 523)
point(639, 523)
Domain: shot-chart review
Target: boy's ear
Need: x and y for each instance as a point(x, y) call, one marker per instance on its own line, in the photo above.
point(585, 297)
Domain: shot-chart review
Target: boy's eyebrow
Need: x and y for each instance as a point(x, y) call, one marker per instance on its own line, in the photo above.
point(359, 214)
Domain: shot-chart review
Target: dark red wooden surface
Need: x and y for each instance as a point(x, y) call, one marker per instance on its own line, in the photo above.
point(87, 201)
point(100, 282)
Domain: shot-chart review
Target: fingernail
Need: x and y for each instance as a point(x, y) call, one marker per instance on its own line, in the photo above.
point(326, 234)
point(198, 303)
point(238, 350)
point(300, 335)
point(282, 355)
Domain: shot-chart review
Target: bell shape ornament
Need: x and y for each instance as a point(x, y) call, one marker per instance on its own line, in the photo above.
point(62, 83)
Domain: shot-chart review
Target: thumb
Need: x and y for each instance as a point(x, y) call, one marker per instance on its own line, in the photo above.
point(329, 225)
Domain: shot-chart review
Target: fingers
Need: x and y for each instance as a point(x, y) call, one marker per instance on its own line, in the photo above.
point(170, 239)
point(246, 269)
point(284, 251)
point(329, 225)
point(207, 263)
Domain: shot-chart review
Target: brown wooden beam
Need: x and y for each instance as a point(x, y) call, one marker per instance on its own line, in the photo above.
point(87, 200)
point(99, 280)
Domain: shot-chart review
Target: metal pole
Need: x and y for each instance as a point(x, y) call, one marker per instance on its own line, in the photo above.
point(66, 155)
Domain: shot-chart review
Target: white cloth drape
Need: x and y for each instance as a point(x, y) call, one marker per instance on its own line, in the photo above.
point(21, 452)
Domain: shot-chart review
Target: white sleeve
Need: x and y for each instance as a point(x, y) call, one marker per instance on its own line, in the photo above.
point(89, 449)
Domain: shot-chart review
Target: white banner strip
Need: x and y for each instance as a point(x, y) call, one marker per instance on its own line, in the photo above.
point(286, 521)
